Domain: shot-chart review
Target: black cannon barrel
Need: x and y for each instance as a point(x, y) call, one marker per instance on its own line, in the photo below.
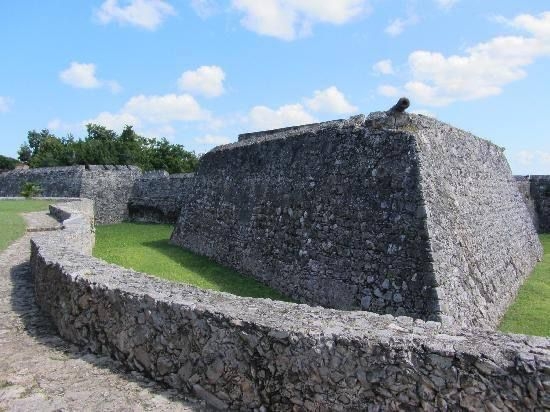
point(401, 105)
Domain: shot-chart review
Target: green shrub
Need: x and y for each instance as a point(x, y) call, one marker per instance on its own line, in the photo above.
point(30, 189)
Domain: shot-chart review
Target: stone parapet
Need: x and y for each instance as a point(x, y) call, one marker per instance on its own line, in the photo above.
point(244, 353)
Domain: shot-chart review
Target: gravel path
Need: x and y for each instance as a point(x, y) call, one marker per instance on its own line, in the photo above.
point(41, 372)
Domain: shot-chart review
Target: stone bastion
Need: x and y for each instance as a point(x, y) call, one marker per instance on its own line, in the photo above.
point(258, 354)
point(400, 215)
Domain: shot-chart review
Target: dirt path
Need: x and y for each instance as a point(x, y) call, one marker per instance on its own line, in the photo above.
point(41, 372)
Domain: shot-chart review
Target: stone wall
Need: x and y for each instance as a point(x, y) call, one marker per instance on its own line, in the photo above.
point(325, 215)
point(536, 192)
point(482, 240)
point(110, 187)
point(421, 220)
point(524, 187)
point(53, 181)
point(243, 353)
point(540, 190)
point(158, 196)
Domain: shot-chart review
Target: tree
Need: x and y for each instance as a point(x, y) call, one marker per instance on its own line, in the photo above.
point(103, 146)
point(7, 163)
point(24, 153)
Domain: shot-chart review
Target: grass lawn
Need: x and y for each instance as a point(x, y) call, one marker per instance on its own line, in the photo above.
point(530, 313)
point(145, 248)
point(11, 223)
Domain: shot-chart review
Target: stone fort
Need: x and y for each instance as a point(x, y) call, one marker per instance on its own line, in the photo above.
point(412, 236)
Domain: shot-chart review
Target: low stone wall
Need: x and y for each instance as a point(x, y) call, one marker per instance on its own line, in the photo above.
point(158, 197)
point(78, 231)
point(53, 181)
point(243, 353)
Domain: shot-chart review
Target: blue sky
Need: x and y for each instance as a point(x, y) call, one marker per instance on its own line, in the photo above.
point(199, 72)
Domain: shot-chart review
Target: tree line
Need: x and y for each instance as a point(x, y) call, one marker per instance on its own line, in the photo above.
point(102, 146)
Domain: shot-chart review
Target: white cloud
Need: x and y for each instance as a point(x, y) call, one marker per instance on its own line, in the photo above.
point(263, 118)
point(83, 76)
point(525, 157)
point(166, 131)
point(388, 91)
point(288, 19)
point(113, 86)
point(483, 70)
point(205, 8)
point(61, 126)
point(383, 67)
point(5, 104)
point(398, 26)
point(150, 116)
point(114, 121)
point(148, 14)
point(206, 80)
point(534, 161)
point(213, 139)
point(166, 108)
point(330, 100)
point(446, 4)
point(538, 27)
point(80, 75)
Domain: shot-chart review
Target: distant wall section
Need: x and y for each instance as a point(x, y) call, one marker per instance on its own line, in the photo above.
point(536, 192)
point(158, 196)
point(110, 187)
point(53, 181)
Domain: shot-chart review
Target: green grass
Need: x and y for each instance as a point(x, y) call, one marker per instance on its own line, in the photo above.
point(145, 248)
point(11, 223)
point(530, 313)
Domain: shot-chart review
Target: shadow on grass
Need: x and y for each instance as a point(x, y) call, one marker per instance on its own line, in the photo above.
point(225, 279)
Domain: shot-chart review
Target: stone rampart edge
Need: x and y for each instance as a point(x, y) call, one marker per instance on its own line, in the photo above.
point(248, 353)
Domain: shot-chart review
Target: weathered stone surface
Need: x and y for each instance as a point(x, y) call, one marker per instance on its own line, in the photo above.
point(536, 192)
point(108, 186)
point(53, 181)
point(243, 353)
point(397, 213)
point(158, 196)
point(482, 240)
point(39, 371)
point(315, 212)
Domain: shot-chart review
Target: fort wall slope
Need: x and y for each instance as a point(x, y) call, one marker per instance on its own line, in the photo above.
point(423, 220)
point(326, 215)
point(482, 240)
point(243, 353)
